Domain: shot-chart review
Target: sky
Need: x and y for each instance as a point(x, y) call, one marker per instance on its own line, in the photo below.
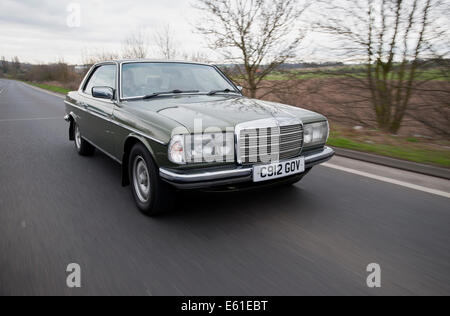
point(40, 31)
point(44, 31)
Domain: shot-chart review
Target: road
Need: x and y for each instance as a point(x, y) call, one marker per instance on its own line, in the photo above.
point(315, 238)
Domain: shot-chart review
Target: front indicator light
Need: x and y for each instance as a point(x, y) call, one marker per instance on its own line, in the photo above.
point(176, 150)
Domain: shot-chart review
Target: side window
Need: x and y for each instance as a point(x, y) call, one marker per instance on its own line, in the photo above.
point(103, 76)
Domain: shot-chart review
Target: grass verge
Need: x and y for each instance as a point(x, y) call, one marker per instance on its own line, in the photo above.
point(438, 157)
point(49, 87)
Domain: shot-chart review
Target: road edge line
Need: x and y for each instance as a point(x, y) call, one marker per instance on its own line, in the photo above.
point(388, 180)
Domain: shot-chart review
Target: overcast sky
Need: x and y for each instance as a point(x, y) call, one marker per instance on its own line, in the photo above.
point(37, 30)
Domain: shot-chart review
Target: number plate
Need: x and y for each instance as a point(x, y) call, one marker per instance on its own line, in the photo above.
point(278, 170)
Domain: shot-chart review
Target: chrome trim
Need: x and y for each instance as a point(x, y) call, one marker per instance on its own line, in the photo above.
point(179, 177)
point(281, 152)
point(204, 176)
point(263, 123)
point(84, 109)
point(274, 122)
point(88, 76)
point(96, 99)
point(290, 142)
point(326, 152)
point(292, 133)
point(120, 70)
point(117, 123)
point(67, 118)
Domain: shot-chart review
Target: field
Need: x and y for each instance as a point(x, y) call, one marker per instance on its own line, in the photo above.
point(423, 137)
point(435, 74)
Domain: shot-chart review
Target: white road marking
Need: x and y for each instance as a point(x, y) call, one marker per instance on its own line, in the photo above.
point(388, 180)
point(1, 91)
point(32, 119)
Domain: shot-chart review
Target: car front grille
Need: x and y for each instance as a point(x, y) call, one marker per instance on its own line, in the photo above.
point(265, 145)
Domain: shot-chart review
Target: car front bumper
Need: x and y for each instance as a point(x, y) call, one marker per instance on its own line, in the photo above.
point(228, 176)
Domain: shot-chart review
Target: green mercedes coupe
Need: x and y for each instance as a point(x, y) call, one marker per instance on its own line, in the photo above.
point(181, 125)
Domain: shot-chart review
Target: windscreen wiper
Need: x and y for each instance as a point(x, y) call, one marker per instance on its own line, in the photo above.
point(149, 96)
point(221, 91)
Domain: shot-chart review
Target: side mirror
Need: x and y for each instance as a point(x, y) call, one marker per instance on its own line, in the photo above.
point(103, 93)
point(240, 88)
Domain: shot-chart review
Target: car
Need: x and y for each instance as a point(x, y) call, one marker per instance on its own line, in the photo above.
point(186, 126)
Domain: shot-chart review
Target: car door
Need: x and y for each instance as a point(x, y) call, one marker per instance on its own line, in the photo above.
point(97, 126)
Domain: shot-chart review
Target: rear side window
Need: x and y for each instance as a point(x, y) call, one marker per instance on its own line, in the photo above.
point(103, 76)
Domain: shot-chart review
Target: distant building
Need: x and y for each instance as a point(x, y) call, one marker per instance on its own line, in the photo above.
point(81, 68)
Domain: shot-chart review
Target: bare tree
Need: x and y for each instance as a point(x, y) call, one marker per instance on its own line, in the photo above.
point(165, 42)
point(396, 39)
point(91, 57)
point(257, 35)
point(16, 65)
point(199, 57)
point(4, 64)
point(135, 45)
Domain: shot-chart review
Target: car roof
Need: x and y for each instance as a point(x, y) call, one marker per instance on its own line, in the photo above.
point(124, 61)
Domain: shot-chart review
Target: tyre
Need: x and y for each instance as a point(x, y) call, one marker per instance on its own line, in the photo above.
point(83, 147)
point(152, 195)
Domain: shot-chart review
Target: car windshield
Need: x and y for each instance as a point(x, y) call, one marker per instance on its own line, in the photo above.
point(144, 79)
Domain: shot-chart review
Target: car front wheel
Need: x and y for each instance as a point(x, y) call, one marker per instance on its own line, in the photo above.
point(152, 195)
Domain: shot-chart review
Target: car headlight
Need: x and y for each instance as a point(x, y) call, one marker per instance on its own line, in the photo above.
point(207, 147)
point(316, 133)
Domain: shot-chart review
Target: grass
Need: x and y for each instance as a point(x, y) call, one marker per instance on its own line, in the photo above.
point(49, 87)
point(353, 71)
point(439, 157)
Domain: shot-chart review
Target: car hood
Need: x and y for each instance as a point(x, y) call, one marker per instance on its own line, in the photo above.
point(219, 111)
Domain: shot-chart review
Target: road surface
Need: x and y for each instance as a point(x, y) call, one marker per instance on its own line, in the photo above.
point(317, 237)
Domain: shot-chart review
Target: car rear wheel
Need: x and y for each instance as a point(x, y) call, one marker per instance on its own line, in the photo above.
point(151, 194)
point(83, 147)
